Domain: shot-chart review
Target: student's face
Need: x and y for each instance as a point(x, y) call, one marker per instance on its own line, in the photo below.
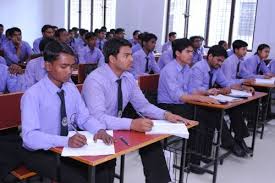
point(120, 35)
point(215, 62)
point(225, 45)
point(1, 30)
point(49, 33)
point(136, 36)
point(110, 36)
point(60, 70)
point(91, 42)
point(124, 60)
point(241, 52)
point(185, 56)
point(16, 37)
point(101, 35)
point(172, 38)
point(197, 43)
point(150, 45)
point(264, 53)
point(63, 37)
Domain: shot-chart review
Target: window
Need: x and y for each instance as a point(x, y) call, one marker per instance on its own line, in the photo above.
point(91, 14)
point(214, 19)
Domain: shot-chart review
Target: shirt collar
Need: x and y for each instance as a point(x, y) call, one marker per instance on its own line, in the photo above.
point(180, 68)
point(111, 73)
point(51, 86)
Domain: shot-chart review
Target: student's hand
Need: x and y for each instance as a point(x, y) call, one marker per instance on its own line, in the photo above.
point(225, 91)
point(141, 125)
point(213, 91)
point(77, 141)
point(15, 69)
point(249, 81)
point(207, 100)
point(266, 76)
point(248, 89)
point(176, 118)
point(103, 135)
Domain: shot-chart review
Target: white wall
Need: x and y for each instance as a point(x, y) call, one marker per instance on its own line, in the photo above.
point(31, 15)
point(145, 15)
point(265, 25)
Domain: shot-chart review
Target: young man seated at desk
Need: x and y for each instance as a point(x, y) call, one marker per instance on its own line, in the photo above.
point(46, 111)
point(107, 91)
point(144, 61)
point(204, 75)
point(90, 54)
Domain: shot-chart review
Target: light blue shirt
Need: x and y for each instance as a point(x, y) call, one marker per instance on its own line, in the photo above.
point(197, 55)
point(165, 58)
point(9, 82)
point(100, 91)
point(100, 43)
point(40, 114)
point(139, 63)
point(271, 66)
point(199, 80)
point(250, 65)
point(166, 46)
point(136, 47)
point(2, 60)
point(36, 43)
point(91, 56)
point(133, 42)
point(173, 83)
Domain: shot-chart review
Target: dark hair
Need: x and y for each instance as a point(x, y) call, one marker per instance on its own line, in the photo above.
point(54, 27)
point(192, 38)
point(221, 42)
point(237, 44)
point(261, 47)
point(108, 34)
point(101, 30)
point(13, 30)
point(113, 30)
point(172, 34)
point(82, 32)
point(113, 46)
point(104, 28)
point(8, 32)
point(53, 50)
point(140, 36)
point(135, 32)
point(90, 35)
point(119, 30)
point(45, 27)
point(59, 31)
point(75, 29)
point(180, 44)
point(44, 42)
point(147, 37)
point(1, 25)
point(217, 51)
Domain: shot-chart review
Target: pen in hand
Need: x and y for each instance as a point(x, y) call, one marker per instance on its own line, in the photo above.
point(140, 115)
point(74, 128)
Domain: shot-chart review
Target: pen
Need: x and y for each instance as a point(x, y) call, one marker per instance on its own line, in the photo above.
point(77, 132)
point(124, 141)
point(140, 115)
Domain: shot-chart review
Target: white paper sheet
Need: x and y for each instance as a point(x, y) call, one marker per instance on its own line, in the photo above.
point(239, 94)
point(223, 98)
point(265, 81)
point(166, 127)
point(92, 149)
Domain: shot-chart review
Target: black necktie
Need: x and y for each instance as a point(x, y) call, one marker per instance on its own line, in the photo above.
point(238, 70)
point(147, 65)
point(64, 121)
point(258, 68)
point(119, 98)
point(100, 47)
point(210, 79)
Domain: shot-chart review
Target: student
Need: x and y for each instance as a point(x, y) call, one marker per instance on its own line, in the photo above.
point(80, 41)
point(71, 39)
point(134, 40)
point(254, 66)
point(119, 33)
point(47, 32)
point(165, 58)
point(144, 61)
point(16, 51)
point(271, 66)
point(2, 60)
point(204, 75)
point(104, 28)
point(198, 49)
point(168, 45)
point(62, 35)
point(109, 36)
point(2, 36)
point(35, 69)
point(55, 28)
point(75, 32)
point(108, 106)
point(138, 46)
point(100, 39)
point(113, 31)
point(90, 53)
point(45, 123)
point(9, 80)
point(231, 65)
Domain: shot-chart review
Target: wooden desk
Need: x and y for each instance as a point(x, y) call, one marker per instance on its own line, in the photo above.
point(222, 108)
point(136, 141)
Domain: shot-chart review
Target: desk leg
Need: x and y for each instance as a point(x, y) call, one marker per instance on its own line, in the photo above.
point(265, 113)
point(91, 174)
point(183, 159)
point(255, 124)
point(218, 148)
point(122, 163)
point(58, 168)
